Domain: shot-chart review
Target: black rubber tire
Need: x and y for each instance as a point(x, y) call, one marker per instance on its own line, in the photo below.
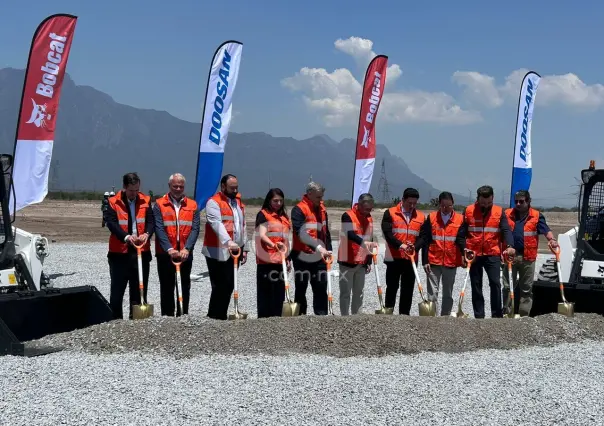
point(548, 271)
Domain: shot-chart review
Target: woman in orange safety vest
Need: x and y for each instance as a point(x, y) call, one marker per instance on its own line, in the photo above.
point(272, 231)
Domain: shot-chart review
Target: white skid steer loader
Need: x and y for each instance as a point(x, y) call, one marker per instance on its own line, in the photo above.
point(29, 307)
point(581, 256)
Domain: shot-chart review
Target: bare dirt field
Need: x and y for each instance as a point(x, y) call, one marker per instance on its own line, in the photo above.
point(80, 221)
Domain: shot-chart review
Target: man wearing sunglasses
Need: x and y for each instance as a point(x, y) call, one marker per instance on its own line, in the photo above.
point(526, 224)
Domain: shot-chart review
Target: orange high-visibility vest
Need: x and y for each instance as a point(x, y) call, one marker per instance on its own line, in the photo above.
point(277, 230)
point(348, 250)
point(484, 235)
point(442, 250)
point(531, 237)
point(403, 231)
point(121, 209)
point(178, 228)
point(210, 238)
point(311, 226)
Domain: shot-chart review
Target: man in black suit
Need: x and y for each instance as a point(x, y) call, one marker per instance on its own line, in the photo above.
point(129, 218)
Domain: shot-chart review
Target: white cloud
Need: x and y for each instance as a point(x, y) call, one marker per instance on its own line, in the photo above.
point(565, 89)
point(421, 106)
point(361, 50)
point(336, 95)
point(479, 88)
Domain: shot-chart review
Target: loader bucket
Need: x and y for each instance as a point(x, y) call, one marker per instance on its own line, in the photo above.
point(588, 298)
point(30, 315)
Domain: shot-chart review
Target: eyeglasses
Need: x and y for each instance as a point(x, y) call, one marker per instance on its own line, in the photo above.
point(520, 201)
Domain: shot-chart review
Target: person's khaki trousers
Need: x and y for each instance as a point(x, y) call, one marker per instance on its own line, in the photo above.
point(523, 273)
point(351, 280)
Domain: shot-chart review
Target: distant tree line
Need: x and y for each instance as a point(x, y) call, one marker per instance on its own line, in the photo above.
point(257, 201)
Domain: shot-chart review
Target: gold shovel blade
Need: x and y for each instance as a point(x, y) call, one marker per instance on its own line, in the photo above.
point(290, 309)
point(142, 311)
point(386, 311)
point(567, 309)
point(427, 309)
point(459, 314)
point(238, 316)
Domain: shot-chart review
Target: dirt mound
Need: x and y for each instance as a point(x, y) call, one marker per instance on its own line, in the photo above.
point(361, 335)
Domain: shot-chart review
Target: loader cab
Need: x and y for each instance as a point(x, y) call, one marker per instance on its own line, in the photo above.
point(590, 238)
point(7, 246)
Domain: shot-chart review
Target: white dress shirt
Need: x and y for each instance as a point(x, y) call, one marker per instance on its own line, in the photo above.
point(132, 205)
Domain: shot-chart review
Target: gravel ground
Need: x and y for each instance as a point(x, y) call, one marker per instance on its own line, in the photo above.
point(310, 370)
point(537, 386)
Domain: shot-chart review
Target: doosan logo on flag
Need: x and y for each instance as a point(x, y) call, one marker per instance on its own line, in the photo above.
point(527, 117)
point(373, 89)
point(222, 89)
point(39, 106)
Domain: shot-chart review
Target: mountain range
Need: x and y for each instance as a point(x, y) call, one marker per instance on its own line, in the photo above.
point(97, 140)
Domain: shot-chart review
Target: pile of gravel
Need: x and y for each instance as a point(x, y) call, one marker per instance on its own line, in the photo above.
point(367, 334)
point(536, 386)
point(350, 336)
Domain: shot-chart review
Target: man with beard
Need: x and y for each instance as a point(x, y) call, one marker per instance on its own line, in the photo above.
point(485, 230)
point(526, 224)
point(224, 230)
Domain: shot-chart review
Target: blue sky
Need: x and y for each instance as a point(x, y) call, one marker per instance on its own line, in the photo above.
point(454, 59)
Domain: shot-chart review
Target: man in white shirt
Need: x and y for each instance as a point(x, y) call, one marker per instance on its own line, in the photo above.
point(225, 228)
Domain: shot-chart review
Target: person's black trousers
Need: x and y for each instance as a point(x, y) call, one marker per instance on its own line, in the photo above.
point(270, 289)
point(316, 274)
point(222, 280)
point(123, 269)
point(400, 271)
point(492, 266)
point(167, 284)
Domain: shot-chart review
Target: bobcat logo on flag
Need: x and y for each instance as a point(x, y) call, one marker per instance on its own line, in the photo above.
point(41, 116)
point(366, 138)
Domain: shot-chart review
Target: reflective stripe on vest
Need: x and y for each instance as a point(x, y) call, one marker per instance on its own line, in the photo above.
point(443, 250)
point(277, 231)
point(143, 203)
point(531, 236)
point(210, 238)
point(311, 226)
point(178, 228)
point(348, 250)
point(484, 240)
point(403, 231)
